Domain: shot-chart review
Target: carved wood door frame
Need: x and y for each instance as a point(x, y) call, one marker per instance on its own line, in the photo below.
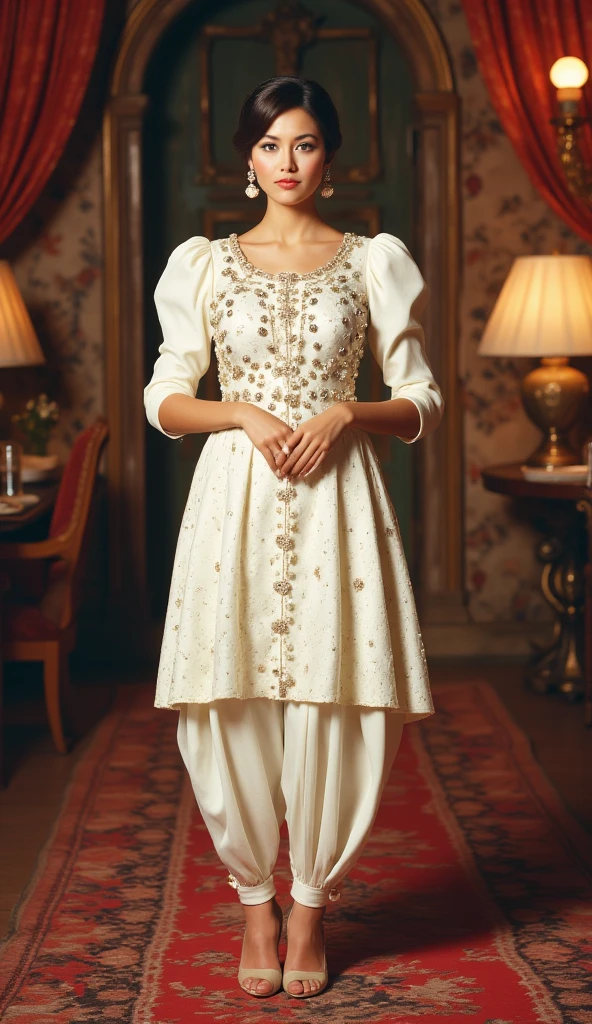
point(441, 597)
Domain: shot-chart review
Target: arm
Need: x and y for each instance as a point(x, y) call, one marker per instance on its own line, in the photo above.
point(179, 414)
point(397, 296)
point(399, 416)
point(182, 298)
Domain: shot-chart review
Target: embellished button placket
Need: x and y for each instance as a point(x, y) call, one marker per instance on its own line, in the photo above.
point(289, 304)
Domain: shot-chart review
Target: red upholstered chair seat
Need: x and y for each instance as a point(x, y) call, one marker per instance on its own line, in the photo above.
point(25, 622)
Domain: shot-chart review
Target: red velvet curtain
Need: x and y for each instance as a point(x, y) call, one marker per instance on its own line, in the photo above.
point(516, 42)
point(47, 48)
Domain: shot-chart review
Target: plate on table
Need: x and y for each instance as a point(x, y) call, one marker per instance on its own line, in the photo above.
point(10, 507)
point(38, 467)
point(559, 475)
point(33, 474)
point(27, 498)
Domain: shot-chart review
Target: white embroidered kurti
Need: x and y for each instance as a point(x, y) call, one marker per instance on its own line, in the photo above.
point(296, 588)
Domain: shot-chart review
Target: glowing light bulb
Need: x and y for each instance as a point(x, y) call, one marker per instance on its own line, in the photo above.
point(569, 73)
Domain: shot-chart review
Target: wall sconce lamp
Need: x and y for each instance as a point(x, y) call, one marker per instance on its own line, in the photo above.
point(568, 75)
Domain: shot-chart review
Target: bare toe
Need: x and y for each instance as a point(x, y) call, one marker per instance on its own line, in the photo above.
point(257, 985)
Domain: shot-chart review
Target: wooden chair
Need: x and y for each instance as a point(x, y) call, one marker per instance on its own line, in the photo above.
point(45, 630)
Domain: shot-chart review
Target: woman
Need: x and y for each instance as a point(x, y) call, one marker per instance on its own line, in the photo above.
point(291, 645)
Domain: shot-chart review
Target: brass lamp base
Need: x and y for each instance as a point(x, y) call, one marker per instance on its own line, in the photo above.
point(553, 395)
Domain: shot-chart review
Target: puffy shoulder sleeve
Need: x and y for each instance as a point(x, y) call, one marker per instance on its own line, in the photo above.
point(182, 299)
point(397, 296)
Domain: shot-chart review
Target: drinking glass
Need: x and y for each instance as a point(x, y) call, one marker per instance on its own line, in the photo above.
point(10, 468)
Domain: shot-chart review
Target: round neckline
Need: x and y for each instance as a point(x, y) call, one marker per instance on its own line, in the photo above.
point(240, 256)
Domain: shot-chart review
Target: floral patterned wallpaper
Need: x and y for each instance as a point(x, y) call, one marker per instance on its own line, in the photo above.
point(60, 274)
point(60, 277)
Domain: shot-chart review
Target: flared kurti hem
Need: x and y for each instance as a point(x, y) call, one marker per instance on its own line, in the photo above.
point(295, 588)
point(410, 716)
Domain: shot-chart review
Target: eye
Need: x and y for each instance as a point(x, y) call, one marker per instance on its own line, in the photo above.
point(264, 145)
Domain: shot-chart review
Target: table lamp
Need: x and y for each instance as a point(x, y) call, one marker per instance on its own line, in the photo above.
point(545, 310)
point(19, 345)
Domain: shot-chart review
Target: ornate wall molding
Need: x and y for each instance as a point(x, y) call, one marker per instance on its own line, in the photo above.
point(290, 33)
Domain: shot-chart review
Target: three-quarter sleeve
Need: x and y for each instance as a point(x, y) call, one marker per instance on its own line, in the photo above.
point(182, 298)
point(397, 296)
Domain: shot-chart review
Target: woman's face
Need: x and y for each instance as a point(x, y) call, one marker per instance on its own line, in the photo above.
point(292, 148)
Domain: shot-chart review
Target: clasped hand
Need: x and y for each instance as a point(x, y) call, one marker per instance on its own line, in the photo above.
point(309, 443)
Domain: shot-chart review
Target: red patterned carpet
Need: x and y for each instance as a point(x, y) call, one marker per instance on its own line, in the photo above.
point(472, 901)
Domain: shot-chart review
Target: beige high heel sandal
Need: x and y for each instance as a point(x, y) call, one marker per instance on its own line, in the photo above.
point(321, 976)
point(271, 974)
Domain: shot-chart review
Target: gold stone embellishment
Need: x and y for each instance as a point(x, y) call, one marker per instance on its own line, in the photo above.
point(289, 314)
point(344, 250)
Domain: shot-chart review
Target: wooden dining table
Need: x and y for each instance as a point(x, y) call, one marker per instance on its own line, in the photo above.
point(31, 513)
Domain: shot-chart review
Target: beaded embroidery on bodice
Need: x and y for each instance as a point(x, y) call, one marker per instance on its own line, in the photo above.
point(289, 342)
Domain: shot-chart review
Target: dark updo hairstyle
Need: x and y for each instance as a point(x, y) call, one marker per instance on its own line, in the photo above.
point(276, 95)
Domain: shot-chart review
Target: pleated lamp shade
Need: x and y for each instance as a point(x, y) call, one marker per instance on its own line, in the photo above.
point(18, 342)
point(544, 309)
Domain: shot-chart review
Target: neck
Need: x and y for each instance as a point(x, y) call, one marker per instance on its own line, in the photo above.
point(290, 225)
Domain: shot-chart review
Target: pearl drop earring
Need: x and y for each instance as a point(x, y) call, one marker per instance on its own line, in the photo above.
point(251, 190)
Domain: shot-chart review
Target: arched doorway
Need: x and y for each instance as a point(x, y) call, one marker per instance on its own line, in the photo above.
point(435, 243)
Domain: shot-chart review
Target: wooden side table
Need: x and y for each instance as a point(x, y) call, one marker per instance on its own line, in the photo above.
point(566, 552)
point(585, 506)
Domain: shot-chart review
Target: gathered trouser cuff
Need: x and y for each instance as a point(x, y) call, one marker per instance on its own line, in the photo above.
point(256, 762)
point(311, 896)
point(251, 895)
